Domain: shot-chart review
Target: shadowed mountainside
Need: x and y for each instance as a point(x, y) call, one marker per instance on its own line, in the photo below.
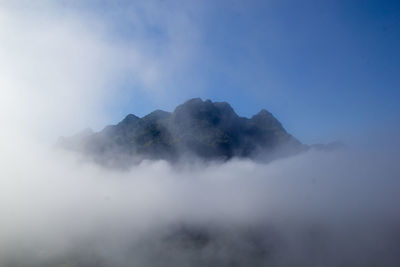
point(203, 129)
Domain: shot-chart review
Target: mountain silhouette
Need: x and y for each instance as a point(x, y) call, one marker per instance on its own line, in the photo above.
point(195, 129)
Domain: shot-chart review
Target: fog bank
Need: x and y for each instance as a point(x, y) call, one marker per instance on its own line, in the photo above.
point(316, 208)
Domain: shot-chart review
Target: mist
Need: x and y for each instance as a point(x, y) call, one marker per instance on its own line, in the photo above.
point(59, 69)
point(316, 208)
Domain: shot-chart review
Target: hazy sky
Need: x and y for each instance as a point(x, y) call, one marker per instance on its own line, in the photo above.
point(326, 69)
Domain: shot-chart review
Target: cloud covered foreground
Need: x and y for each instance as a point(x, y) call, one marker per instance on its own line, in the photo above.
point(316, 209)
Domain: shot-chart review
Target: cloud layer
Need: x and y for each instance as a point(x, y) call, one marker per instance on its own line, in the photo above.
point(315, 208)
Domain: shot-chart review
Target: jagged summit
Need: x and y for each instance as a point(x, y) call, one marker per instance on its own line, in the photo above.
point(157, 114)
point(265, 119)
point(204, 129)
point(263, 113)
point(130, 118)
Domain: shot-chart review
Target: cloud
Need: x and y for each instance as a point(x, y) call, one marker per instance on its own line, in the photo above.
point(64, 64)
point(54, 68)
point(312, 208)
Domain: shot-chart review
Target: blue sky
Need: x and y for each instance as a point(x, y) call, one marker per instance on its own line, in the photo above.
point(326, 69)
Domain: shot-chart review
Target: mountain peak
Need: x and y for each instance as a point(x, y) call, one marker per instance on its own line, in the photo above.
point(265, 119)
point(205, 129)
point(129, 119)
point(263, 112)
point(193, 101)
point(156, 115)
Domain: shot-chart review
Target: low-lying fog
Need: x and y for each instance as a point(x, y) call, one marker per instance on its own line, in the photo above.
point(314, 209)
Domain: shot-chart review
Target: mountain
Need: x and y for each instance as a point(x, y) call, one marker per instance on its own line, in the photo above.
point(195, 129)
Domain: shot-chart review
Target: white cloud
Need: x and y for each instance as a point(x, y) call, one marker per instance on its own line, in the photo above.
point(52, 204)
point(61, 64)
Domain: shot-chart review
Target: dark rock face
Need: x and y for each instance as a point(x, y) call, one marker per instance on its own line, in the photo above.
point(205, 129)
